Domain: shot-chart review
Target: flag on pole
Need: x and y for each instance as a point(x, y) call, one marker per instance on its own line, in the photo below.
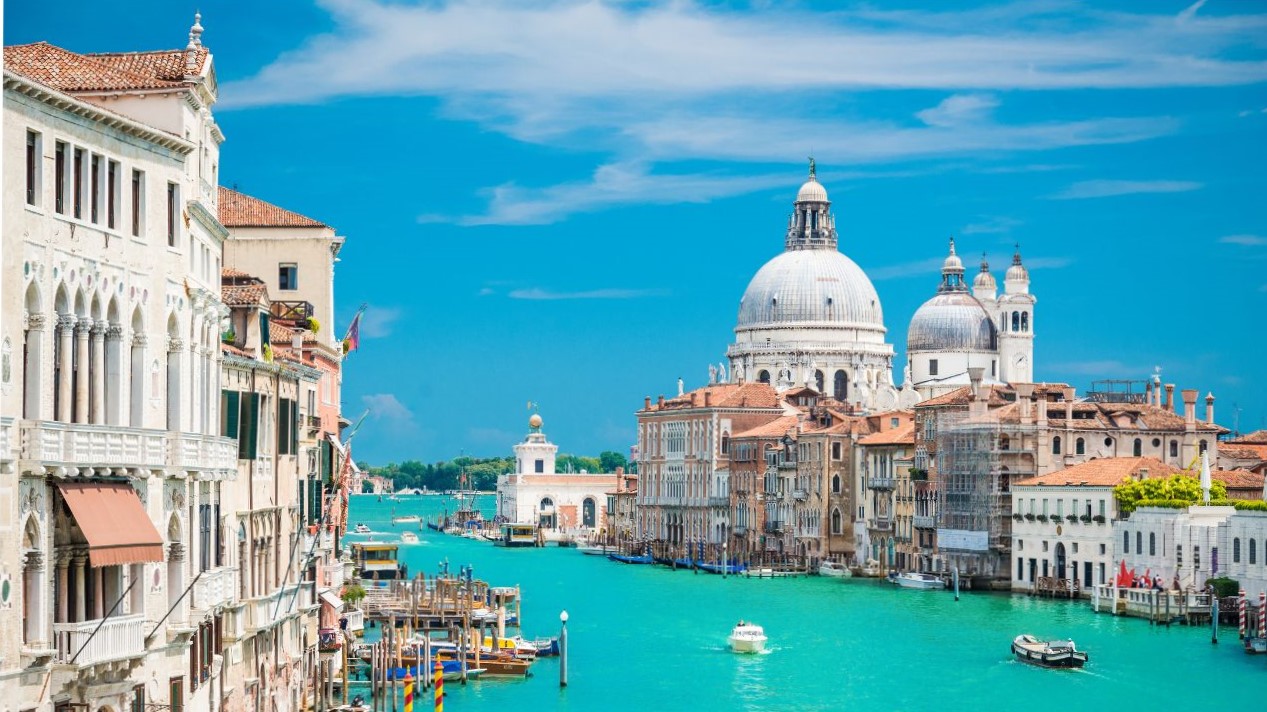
point(352, 339)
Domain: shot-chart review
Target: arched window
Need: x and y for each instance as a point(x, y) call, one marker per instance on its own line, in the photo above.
point(1152, 544)
point(1080, 447)
point(1139, 447)
point(1253, 550)
point(1174, 448)
point(818, 381)
point(1236, 550)
point(1016, 321)
point(1055, 445)
point(725, 444)
point(1139, 542)
point(1005, 443)
point(1126, 542)
point(840, 386)
point(835, 484)
point(835, 521)
point(1024, 321)
point(1204, 445)
point(546, 503)
point(763, 376)
point(588, 513)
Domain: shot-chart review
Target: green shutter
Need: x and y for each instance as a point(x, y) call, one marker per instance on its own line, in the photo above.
point(230, 413)
point(247, 445)
point(294, 427)
point(327, 473)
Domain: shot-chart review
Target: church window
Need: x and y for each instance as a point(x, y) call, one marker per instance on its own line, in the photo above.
point(1139, 447)
point(1024, 321)
point(1080, 447)
point(835, 484)
point(539, 466)
point(288, 276)
point(932, 367)
point(818, 376)
point(835, 521)
point(764, 376)
point(1016, 321)
point(1108, 442)
point(840, 389)
point(1055, 445)
point(1174, 448)
point(1156, 442)
point(1204, 445)
point(994, 368)
point(835, 451)
point(1236, 550)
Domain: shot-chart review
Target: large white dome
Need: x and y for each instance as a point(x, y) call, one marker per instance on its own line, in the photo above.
point(810, 286)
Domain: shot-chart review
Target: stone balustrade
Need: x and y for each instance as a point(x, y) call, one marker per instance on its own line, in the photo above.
point(119, 637)
point(215, 587)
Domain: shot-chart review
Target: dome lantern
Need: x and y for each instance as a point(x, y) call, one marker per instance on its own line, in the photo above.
point(811, 225)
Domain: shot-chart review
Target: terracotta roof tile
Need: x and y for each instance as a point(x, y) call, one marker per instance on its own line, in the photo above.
point(776, 428)
point(903, 434)
point(1243, 452)
point(233, 273)
point(244, 294)
point(1240, 480)
point(1256, 437)
point(68, 71)
point(724, 395)
point(241, 210)
point(1103, 472)
point(231, 349)
point(960, 396)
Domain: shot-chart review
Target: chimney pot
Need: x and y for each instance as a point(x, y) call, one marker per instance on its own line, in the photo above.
point(1169, 403)
point(708, 399)
point(1209, 408)
point(646, 403)
point(660, 400)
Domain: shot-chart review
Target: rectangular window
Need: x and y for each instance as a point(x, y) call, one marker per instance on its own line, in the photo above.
point(204, 536)
point(112, 193)
point(78, 186)
point(540, 466)
point(138, 201)
point(932, 367)
point(173, 209)
point(32, 168)
point(288, 276)
point(176, 693)
point(59, 170)
point(138, 698)
point(94, 194)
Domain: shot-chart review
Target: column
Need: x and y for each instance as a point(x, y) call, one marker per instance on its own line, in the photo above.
point(99, 592)
point(65, 362)
point(97, 369)
point(82, 370)
point(36, 592)
point(63, 589)
point(175, 353)
point(79, 595)
point(136, 390)
point(33, 368)
point(113, 401)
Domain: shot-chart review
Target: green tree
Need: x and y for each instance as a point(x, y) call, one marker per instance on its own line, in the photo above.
point(610, 460)
point(1182, 488)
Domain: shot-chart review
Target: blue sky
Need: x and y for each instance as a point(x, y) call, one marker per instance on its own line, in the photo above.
point(563, 202)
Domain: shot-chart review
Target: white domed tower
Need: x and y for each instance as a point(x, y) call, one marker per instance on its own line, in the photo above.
point(952, 332)
point(1016, 324)
point(535, 455)
point(984, 288)
point(811, 317)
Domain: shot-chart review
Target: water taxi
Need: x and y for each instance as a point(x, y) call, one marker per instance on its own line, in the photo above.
point(747, 638)
point(517, 535)
point(1048, 653)
point(911, 579)
point(360, 528)
point(378, 561)
point(834, 569)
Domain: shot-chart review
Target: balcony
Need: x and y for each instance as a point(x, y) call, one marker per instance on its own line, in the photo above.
point(800, 494)
point(292, 311)
point(318, 541)
point(6, 439)
point(881, 525)
point(264, 612)
point(54, 444)
point(190, 451)
point(330, 575)
point(215, 587)
point(313, 422)
point(235, 625)
point(355, 618)
point(119, 638)
point(880, 482)
point(719, 501)
point(774, 527)
point(924, 522)
point(739, 530)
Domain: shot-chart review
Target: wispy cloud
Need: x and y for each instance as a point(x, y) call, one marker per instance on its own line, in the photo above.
point(392, 415)
point(991, 225)
point(1246, 240)
point(931, 267)
point(377, 322)
point(538, 293)
point(1111, 188)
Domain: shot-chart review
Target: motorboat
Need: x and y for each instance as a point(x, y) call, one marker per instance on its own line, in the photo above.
point(834, 569)
point(631, 558)
point(1255, 644)
point(361, 529)
point(766, 572)
point(599, 550)
point(1048, 653)
point(408, 538)
point(747, 638)
point(870, 569)
point(407, 519)
point(732, 568)
point(912, 579)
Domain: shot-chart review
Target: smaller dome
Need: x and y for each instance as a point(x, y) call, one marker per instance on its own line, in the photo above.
point(984, 280)
point(535, 421)
point(952, 321)
point(1017, 271)
point(952, 263)
point(812, 192)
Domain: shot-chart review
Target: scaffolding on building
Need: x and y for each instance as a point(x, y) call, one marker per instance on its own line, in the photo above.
point(1118, 390)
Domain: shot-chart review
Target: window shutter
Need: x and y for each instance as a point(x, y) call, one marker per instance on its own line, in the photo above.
point(230, 413)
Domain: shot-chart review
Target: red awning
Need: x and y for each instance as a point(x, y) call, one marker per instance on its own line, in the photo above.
point(114, 522)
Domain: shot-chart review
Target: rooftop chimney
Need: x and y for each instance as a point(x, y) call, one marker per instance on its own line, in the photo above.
point(1042, 411)
point(1209, 408)
point(708, 399)
point(646, 403)
point(1169, 403)
point(660, 401)
point(974, 377)
point(1025, 396)
point(1189, 408)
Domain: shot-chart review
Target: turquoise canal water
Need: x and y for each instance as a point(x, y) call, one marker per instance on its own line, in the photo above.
point(649, 638)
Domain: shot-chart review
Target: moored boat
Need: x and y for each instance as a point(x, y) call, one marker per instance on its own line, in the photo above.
point(599, 550)
point(631, 558)
point(517, 535)
point(912, 579)
point(834, 569)
point(360, 528)
point(733, 569)
point(747, 638)
point(1048, 653)
point(408, 538)
point(407, 519)
point(1256, 644)
point(766, 572)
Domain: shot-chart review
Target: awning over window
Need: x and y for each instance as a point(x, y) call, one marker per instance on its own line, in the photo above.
point(114, 522)
point(331, 600)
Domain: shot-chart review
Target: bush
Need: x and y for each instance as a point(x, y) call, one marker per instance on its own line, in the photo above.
point(1224, 586)
point(1099, 518)
point(1072, 518)
point(1029, 517)
point(1086, 518)
point(1042, 517)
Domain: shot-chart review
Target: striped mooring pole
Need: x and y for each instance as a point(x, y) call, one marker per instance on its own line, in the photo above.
point(439, 686)
point(409, 691)
point(1241, 601)
point(1262, 614)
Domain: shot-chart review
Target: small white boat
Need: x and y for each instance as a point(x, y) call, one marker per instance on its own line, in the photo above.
point(834, 569)
point(1255, 644)
point(408, 538)
point(911, 579)
point(869, 569)
point(594, 549)
point(747, 638)
point(1048, 653)
point(772, 573)
point(361, 529)
point(407, 519)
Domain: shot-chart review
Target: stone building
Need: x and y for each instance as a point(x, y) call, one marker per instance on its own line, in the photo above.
point(887, 456)
point(112, 532)
point(1195, 544)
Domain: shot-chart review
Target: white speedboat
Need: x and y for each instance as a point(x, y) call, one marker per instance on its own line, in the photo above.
point(361, 529)
point(408, 538)
point(834, 569)
point(911, 579)
point(747, 638)
point(1048, 653)
point(407, 519)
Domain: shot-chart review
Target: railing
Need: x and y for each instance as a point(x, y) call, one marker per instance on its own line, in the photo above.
point(313, 421)
point(800, 494)
point(924, 521)
point(774, 527)
point(215, 587)
point(323, 539)
point(193, 451)
point(355, 618)
point(6, 439)
point(291, 310)
point(330, 575)
point(880, 483)
point(266, 611)
point(52, 442)
point(719, 501)
point(739, 529)
point(119, 637)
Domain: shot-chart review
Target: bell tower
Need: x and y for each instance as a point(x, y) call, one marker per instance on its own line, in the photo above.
point(1016, 324)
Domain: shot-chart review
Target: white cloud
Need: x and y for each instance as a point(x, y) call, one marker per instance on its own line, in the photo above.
point(376, 322)
point(991, 225)
point(1246, 240)
point(1189, 12)
point(537, 293)
point(931, 267)
point(1111, 188)
point(958, 109)
point(393, 415)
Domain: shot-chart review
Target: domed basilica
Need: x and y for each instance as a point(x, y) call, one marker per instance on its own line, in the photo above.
point(811, 318)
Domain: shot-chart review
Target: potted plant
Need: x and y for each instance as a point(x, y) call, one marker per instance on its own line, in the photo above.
point(1099, 518)
point(1086, 518)
point(1017, 517)
point(1042, 517)
point(1029, 517)
point(1072, 518)
point(313, 325)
